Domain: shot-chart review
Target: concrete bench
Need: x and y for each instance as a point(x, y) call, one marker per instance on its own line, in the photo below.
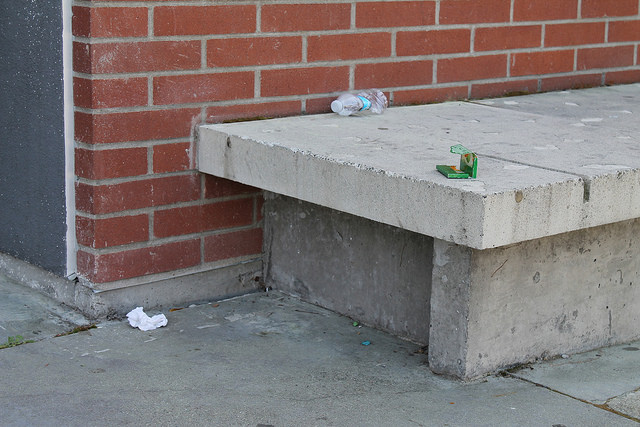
point(537, 256)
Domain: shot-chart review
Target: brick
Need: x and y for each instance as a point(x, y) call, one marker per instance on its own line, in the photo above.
point(133, 57)
point(319, 105)
point(81, 21)
point(102, 268)
point(545, 62)
point(517, 87)
point(255, 51)
point(544, 10)
point(219, 114)
point(390, 74)
point(109, 21)
point(395, 14)
point(110, 93)
point(574, 34)
point(81, 53)
point(601, 8)
point(471, 68)
point(215, 187)
point(605, 57)
point(233, 245)
point(580, 81)
point(296, 81)
point(196, 219)
point(622, 77)
point(172, 157)
point(474, 11)
point(135, 126)
point(427, 96)
point(108, 232)
point(305, 17)
point(202, 87)
point(624, 31)
point(82, 93)
point(105, 164)
point(203, 20)
point(434, 42)
point(348, 46)
point(505, 38)
point(103, 199)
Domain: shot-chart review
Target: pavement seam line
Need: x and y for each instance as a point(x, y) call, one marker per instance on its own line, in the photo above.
point(585, 179)
point(603, 406)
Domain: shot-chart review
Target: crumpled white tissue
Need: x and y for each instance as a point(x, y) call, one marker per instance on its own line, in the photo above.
point(139, 319)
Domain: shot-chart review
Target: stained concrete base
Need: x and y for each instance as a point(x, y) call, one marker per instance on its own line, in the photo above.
point(479, 310)
point(375, 273)
point(219, 283)
point(561, 294)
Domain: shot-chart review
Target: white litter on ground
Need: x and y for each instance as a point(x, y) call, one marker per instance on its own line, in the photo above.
point(139, 319)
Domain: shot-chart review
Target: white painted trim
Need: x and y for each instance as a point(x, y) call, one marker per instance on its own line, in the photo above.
point(67, 63)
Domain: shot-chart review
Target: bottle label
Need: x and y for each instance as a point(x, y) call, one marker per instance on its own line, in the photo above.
point(366, 104)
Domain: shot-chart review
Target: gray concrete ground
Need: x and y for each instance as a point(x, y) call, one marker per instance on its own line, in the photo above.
point(269, 359)
point(31, 315)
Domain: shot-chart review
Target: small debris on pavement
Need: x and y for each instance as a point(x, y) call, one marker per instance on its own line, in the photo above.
point(139, 319)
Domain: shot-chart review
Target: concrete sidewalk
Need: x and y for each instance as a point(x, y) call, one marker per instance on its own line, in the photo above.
point(269, 359)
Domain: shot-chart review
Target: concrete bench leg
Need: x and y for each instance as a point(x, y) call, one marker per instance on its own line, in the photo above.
point(494, 308)
point(377, 274)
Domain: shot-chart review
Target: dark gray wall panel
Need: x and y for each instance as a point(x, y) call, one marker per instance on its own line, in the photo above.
point(32, 164)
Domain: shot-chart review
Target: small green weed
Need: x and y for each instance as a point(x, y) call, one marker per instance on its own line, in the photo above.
point(15, 341)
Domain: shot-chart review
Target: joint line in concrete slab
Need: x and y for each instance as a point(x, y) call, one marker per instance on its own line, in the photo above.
point(585, 179)
point(603, 406)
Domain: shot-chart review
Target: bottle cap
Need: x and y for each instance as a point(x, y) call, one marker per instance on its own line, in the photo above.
point(336, 106)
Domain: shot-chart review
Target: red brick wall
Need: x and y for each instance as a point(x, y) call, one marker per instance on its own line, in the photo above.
point(147, 72)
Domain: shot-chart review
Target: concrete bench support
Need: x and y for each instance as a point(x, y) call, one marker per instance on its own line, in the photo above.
point(373, 272)
point(538, 256)
point(560, 294)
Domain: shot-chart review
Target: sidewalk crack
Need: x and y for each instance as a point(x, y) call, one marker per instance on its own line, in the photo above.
point(602, 406)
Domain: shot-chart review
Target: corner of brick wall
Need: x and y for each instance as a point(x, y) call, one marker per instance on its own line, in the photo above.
point(147, 72)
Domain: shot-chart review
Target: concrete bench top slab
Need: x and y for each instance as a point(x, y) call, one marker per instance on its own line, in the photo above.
point(548, 163)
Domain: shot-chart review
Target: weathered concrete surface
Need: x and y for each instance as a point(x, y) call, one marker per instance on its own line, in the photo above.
point(613, 107)
point(26, 313)
point(450, 305)
point(607, 376)
point(628, 404)
point(374, 273)
point(383, 168)
point(117, 298)
point(562, 294)
point(261, 360)
point(539, 175)
point(594, 376)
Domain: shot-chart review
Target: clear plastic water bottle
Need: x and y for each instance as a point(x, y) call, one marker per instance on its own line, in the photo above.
point(371, 100)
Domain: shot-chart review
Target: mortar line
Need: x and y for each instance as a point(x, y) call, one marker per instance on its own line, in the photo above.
point(150, 19)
